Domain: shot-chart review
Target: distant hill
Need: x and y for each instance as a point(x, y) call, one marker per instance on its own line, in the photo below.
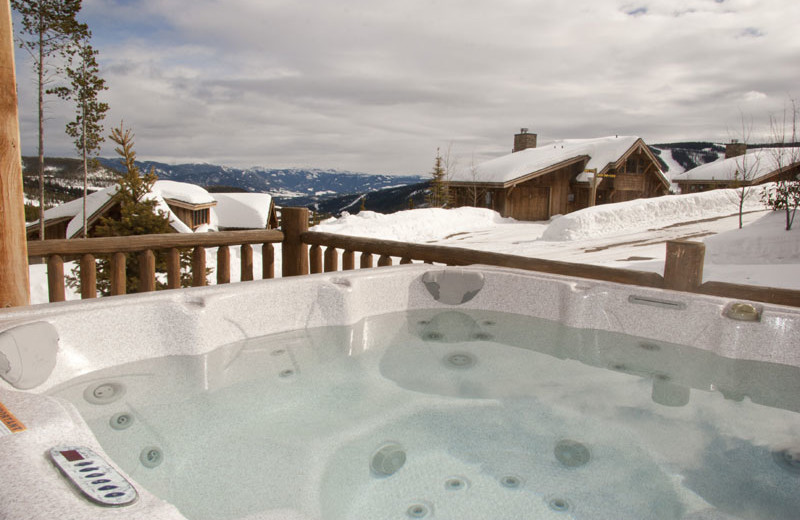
point(295, 186)
point(676, 158)
point(387, 200)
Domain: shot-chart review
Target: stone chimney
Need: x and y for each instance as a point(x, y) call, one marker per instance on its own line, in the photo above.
point(524, 140)
point(735, 149)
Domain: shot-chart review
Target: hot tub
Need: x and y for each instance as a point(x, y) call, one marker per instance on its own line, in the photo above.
point(402, 392)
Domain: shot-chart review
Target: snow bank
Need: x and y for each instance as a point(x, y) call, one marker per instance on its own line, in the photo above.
point(416, 225)
point(762, 242)
point(644, 214)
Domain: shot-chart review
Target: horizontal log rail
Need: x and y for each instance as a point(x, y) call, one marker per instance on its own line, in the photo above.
point(86, 249)
point(386, 249)
point(107, 245)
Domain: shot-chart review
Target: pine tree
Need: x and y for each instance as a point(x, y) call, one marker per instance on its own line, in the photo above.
point(86, 128)
point(136, 214)
point(49, 30)
point(439, 192)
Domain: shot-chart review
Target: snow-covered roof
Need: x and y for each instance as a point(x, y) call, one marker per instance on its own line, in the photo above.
point(600, 152)
point(162, 191)
point(94, 202)
point(243, 210)
point(183, 192)
point(752, 166)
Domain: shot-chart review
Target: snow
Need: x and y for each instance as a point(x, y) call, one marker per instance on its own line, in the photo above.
point(751, 166)
point(242, 210)
point(182, 191)
point(642, 214)
point(413, 225)
point(629, 235)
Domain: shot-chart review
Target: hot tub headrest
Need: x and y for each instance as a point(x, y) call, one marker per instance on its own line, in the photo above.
point(28, 354)
point(453, 286)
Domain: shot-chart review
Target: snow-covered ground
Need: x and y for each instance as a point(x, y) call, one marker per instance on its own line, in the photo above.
point(630, 235)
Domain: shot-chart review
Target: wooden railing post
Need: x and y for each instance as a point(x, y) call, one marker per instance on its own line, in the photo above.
point(366, 261)
point(331, 260)
point(315, 259)
point(88, 276)
point(173, 268)
point(14, 284)
point(199, 266)
point(384, 261)
point(55, 278)
point(246, 253)
point(223, 265)
point(147, 271)
point(267, 261)
point(683, 267)
point(118, 275)
point(348, 260)
point(294, 253)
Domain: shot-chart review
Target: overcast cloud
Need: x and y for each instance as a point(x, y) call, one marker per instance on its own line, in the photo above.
point(376, 86)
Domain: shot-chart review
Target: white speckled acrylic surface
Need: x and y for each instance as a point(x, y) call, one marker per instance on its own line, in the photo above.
point(102, 333)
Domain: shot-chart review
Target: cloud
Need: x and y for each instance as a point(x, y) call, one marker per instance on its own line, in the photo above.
point(377, 87)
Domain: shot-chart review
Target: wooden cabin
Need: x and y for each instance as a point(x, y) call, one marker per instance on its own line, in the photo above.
point(742, 168)
point(537, 182)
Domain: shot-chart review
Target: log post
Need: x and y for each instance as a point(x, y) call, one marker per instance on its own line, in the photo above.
point(246, 252)
point(683, 267)
point(405, 260)
point(147, 271)
point(331, 259)
point(294, 253)
point(199, 266)
point(173, 268)
point(384, 261)
point(267, 261)
point(55, 278)
point(366, 260)
point(118, 276)
point(348, 260)
point(14, 283)
point(88, 276)
point(315, 259)
point(223, 265)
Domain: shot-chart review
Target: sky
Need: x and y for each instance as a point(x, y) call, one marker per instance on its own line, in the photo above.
point(376, 87)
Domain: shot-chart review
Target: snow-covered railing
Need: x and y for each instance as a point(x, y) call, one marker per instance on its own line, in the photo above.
point(87, 250)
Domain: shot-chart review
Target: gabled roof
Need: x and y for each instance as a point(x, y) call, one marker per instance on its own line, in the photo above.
point(755, 166)
point(601, 153)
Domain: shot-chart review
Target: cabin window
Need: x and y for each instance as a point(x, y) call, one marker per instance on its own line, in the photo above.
point(200, 217)
point(488, 199)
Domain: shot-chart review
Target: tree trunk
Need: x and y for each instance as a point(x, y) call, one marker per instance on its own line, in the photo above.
point(41, 131)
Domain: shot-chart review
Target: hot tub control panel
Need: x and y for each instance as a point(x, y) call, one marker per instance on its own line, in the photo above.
point(93, 476)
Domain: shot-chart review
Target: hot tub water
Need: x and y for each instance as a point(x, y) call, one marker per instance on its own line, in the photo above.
point(454, 414)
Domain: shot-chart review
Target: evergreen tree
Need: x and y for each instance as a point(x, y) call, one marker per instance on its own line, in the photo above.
point(136, 214)
point(86, 128)
point(439, 192)
point(49, 31)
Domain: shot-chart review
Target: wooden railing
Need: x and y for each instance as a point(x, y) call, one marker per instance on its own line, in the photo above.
point(305, 252)
point(683, 267)
point(86, 250)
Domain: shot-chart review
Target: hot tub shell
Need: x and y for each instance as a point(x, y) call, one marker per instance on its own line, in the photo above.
point(98, 334)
